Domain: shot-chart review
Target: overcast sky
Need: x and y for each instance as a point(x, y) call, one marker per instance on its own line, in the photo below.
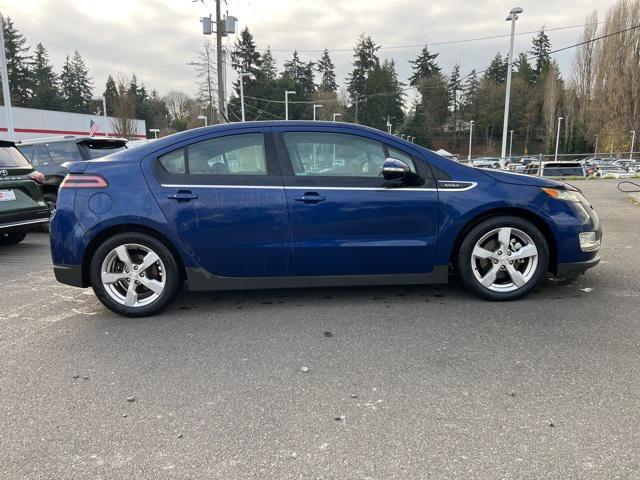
point(157, 38)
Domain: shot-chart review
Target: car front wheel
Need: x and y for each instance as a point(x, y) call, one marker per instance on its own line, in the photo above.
point(503, 258)
point(135, 275)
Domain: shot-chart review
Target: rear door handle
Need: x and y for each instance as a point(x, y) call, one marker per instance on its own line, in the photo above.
point(182, 196)
point(310, 197)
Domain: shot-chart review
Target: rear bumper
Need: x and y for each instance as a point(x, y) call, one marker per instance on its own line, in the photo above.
point(574, 268)
point(23, 220)
point(69, 275)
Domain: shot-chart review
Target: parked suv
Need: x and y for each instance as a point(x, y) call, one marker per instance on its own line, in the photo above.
point(556, 169)
point(294, 204)
point(48, 154)
point(21, 204)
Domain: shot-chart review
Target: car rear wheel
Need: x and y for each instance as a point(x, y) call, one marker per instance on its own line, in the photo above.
point(12, 238)
point(135, 275)
point(503, 258)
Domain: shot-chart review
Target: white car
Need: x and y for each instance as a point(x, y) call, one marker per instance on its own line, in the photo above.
point(613, 171)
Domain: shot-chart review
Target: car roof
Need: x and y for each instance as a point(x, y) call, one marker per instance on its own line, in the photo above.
point(194, 133)
point(68, 138)
point(562, 164)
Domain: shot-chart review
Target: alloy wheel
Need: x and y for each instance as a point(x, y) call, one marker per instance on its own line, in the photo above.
point(504, 259)
point(133, 275)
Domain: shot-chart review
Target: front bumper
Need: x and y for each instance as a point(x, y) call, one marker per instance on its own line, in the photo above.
point(573, 268)
point(69, 275)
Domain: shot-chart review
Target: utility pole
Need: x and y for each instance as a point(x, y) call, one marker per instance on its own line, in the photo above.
point(511, 145)
point(286, 103)
point(219, 29)
point(513, 16)
point(555, 159)
point(356, 108)
point(5, 85)
point(470, 138)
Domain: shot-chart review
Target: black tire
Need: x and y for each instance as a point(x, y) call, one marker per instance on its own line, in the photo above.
point(174, 277)
point(11, 238)
point(51, 199)
point(465, 269)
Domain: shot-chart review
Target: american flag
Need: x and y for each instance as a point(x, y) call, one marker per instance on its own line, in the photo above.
point(93, 128)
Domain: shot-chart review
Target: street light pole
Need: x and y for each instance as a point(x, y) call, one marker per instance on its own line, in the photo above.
point(513, 16)
point(595, 151)
point(5, 85)
point(242, 75)
point(335, 115)
point(204, 117)
point(510, 145)
point(286, 103)
point(470, 138)
point(155, 132)
point(633, 140)
point(555, 159)
point(315, 107)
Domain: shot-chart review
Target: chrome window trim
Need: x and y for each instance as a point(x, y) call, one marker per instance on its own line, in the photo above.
point(320, 187)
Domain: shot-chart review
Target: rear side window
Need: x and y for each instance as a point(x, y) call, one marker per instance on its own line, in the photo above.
point(36, 154)
point(11, 157)
point(61, 152)
point(232, 155)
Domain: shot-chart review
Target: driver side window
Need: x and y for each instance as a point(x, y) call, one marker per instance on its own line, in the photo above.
point(320, 154)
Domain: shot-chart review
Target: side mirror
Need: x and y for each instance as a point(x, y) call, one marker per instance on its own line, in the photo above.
point(393, 169)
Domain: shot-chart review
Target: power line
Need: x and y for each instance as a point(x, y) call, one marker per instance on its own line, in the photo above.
point(395, 92)
point(449, 42)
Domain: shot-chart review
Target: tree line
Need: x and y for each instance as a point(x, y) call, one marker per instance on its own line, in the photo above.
point(599, 102)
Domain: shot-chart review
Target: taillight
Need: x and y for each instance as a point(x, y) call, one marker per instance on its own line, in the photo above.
point(84, 181)
point(37, 176)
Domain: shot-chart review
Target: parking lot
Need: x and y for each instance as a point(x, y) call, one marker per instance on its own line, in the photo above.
point(402, 382)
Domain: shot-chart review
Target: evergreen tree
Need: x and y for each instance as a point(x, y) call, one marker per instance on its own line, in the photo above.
point(245, 58)
point(523, 68)
point(110, 94)
point(455, 88)
point(327, 73)
point(470, 88)
point(268, 68)
point(18, 63)
point(44, 82)
point(423, 66)
point(385, 97)
point(364, 60)
point(76, 84)
point(301, 74)
point(540, 48)
point(497, 70)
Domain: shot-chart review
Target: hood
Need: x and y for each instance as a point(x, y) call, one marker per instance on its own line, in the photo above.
point(520, 179)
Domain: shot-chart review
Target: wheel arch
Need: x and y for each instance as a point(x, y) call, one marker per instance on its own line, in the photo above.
point(512, 212)
point(99, 238)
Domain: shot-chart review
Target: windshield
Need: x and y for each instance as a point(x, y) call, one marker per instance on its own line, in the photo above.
point(11, 157)
point(563, 172)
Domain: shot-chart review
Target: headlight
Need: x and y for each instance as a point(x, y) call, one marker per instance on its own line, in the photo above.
point(566, 195)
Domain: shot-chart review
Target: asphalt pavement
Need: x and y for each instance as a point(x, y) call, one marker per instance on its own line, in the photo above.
point(337, 383)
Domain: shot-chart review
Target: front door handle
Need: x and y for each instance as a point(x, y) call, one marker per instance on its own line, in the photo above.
point(310, 197)
point(182, 196)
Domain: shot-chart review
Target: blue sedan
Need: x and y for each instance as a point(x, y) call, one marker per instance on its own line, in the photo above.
point(302, 204)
